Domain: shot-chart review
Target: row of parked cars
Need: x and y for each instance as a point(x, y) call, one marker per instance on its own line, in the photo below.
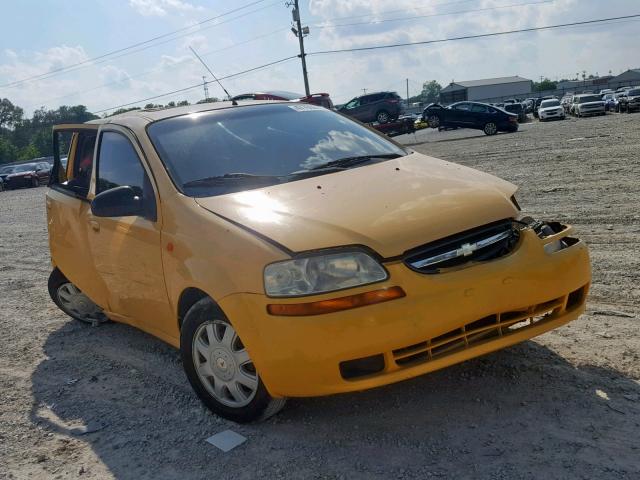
point(32, 174)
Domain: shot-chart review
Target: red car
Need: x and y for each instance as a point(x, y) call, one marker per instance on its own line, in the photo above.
point(28, 175)
point(320, 99)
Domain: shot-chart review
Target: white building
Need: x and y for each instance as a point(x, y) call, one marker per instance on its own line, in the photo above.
point(486, 90)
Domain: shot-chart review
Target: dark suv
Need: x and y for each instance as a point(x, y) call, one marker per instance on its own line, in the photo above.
point(381, 107)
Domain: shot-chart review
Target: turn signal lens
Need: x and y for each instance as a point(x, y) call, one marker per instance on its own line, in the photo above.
point(335, 304)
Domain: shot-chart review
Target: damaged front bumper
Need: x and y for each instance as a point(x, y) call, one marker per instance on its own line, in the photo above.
point(445, 318)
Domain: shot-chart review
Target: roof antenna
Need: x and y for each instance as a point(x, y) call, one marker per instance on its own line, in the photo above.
point(233, 102)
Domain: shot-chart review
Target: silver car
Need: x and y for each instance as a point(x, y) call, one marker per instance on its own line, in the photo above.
point(584, 105)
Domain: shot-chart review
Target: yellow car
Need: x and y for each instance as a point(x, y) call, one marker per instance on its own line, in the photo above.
point(289, 251)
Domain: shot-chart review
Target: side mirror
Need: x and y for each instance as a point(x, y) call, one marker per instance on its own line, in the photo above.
point(117, 202)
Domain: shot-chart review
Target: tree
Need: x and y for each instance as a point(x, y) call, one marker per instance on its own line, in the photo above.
point(9, 113)
point(544, 85)
point(8, 152)
point(430, 91)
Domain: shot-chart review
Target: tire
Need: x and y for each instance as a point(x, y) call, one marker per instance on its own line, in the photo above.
point(383, 117)
point(35, 183)
point(434, 121)
point(72, 301)
point(214, 369)
point(490, 128)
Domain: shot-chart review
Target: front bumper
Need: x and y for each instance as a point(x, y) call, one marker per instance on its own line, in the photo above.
point(548, 115)
point(19, 182)
point(444, 319)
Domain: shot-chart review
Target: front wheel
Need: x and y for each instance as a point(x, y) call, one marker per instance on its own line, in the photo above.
point(490, 128)
point(433, 121)
point(220, 369)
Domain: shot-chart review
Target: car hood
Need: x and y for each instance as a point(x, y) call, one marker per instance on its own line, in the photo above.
point(591, 104)
point(390, 206)
point(545, 109)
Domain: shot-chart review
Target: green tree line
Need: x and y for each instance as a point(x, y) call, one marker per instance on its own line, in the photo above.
point(26, 138)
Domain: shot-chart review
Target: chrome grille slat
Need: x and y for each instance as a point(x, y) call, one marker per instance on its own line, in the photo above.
point(480, 244)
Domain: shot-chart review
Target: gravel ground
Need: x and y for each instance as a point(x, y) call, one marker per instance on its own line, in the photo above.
point(566, 405)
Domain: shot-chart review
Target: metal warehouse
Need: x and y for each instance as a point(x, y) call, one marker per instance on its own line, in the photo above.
point(487, 89)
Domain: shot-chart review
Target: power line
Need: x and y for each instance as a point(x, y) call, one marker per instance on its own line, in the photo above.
point(156, 70)
point(198, 85)
point(469, 37)
point(139, 44)
point(443, 14)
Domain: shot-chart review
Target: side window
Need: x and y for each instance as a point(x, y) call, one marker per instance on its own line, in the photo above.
point(73, 173)
point(462, 106)
point(353, 103)
point(119, 165)
point(477, 108)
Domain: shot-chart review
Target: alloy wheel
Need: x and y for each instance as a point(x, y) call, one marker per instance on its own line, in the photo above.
point(223, 364)
point(490, 128)
point(434, 121)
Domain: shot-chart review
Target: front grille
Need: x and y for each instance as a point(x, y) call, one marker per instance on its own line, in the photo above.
point(487, 328)
point(477, 245)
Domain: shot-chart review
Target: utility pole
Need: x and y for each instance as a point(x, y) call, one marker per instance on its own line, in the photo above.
point(300, 32)
point(206, 87)
point(407, 92)
point(364, 91)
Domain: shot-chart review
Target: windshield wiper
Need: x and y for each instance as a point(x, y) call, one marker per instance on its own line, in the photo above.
point(353, 161)
point(232, 178)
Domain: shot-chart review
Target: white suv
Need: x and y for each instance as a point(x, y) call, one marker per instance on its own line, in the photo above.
point(588, 105)
point(550, 109)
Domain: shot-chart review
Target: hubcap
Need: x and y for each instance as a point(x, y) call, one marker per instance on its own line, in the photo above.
point(491, 128)
point(434, 121)
point(223, 364)
point(383, 117)
point(78, 305)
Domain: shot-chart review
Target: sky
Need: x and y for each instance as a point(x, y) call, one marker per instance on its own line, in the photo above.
point(39, 37)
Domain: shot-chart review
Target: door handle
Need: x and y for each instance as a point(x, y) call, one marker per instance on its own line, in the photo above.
point(94, 225)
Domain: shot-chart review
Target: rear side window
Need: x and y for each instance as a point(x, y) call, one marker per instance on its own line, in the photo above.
point(477, 108)
point(119, 165)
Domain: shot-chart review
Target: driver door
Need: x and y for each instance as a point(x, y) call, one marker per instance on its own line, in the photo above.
point(127, 249)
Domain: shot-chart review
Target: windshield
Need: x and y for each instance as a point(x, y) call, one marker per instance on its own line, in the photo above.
point(6, 169)
point(230, 150)
point(27, 167)
point(633, 93)
point(550, 103)
point(589, 98)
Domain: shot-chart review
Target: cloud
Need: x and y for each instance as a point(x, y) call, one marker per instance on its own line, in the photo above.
point(160, 8)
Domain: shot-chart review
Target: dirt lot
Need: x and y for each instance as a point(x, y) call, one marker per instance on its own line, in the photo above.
point(566, 405)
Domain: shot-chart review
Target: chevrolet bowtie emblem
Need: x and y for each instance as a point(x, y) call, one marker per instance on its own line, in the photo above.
point(467, 249)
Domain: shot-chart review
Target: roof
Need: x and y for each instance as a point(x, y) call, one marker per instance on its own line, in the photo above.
point(152, 115)
point(488, 81)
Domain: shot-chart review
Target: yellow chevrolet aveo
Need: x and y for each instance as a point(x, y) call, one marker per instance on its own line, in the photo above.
point(289, 251)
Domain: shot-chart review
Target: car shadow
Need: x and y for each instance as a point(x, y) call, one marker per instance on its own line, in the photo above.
point(524, 412)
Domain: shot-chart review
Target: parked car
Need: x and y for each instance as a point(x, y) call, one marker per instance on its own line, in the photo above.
point(606, 90)
point(28, 175)
point(509, 101)
point(539, 101)
point(518, 109)
point(551, 110)
point(529, 104)
point(475, 115)
point(623, 89)
point(1, 185)
point(610, 102)
point(584, 105)
point(5, 172)
point(289, 251)
point(381, 107)
point(321, 99)
point(631, 101)
point(617, 96)
point(566, 103)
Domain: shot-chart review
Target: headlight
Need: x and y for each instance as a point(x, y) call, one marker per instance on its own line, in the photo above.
point(322, 273)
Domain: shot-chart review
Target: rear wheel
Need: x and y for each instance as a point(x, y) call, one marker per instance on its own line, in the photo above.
point(490, 128)
point(383, 116)
point(220, 369)
point(72, 301)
